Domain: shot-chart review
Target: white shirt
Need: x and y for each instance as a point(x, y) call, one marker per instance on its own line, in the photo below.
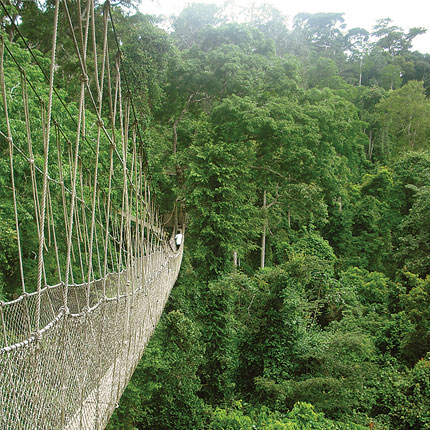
point(178, 239)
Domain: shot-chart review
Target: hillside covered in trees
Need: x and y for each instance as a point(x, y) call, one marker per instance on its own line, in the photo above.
point(301, 158)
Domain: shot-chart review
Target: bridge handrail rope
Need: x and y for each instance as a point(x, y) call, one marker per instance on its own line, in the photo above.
point(105, 265)
point(60, 98)
point(37, 62)
point(31, 159)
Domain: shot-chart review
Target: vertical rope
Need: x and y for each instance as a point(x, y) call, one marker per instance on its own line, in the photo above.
point(3, 324)
point(83, 227)
point(57, 256)
point(111, 148)
point(99, 125)
point(10, 142)
point(108, 216)
point(30, 149)
point(137, 189)
point(125, 130)
point(75, 167)
point(79, 239)
point(45, 166)
point(99, 264)
point(118, 103)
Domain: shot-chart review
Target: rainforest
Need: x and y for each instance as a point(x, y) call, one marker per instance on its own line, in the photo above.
point(298, 158)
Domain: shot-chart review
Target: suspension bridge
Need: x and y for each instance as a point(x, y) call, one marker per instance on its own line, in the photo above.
point(96, 264)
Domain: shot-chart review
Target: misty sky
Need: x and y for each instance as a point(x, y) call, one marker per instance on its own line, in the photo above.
point(359, 13)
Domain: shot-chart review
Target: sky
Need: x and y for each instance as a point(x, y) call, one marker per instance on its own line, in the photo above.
point(358, 13)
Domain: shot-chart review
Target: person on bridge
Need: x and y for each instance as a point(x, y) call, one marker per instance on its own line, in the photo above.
point(178, 238)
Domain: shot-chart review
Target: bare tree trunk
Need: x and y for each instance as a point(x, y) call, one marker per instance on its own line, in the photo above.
point(339, 202)
point(289, 217)
point(176, 219)
point(371, 142)
point(410, 138)
point(361, 71)
point(235, 258)
point(175, 136)
point(263, 236)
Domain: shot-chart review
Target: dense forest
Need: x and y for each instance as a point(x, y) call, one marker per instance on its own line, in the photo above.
point(301, 159)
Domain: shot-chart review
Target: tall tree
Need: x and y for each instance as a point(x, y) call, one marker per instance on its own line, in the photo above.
point(405, 114)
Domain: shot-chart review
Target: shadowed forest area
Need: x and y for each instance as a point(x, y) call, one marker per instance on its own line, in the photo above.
point(301, 158)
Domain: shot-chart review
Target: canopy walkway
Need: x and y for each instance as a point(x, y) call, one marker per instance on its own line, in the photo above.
point(96, 265)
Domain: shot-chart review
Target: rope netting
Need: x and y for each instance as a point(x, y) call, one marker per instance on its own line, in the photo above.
point(95, 264)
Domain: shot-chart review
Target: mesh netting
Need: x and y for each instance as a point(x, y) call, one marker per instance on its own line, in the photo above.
point(74, 373)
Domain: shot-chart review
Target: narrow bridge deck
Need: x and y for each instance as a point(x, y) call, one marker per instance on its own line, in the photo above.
point(72, 378)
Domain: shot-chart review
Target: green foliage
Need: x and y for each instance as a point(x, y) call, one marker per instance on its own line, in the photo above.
point(312, 244)
point(413, 168)
point(147, 54)
point(220, 191)
point(301, 417)
point(192, 20)
point(311, 262)
point(414, 236)
point(417, 393)
point(324, 74)
point(221, 338)
point(405, 113)
point(275, 328)
point(404, 396)
point(371, 288)
point(392, 39)
point(416, 342)
point(167, 380)
point(339, 368)
point(8, 253)
point(306, 418)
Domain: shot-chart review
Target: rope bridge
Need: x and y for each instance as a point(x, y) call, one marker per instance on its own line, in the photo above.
point(95, 265)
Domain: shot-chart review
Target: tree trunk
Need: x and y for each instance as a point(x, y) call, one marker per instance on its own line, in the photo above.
point(235, 258)
point(175, 137)
point(371, 142)
point(410, 139)
point(175, 219)
point(361, 71)
point(339, 202)
point(263, 236)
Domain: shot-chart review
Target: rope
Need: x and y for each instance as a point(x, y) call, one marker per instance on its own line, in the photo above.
point(30, 149)
point(58, 95)
point(10, 141)
point(57, 256)
point(128, 87)
point(45, 166)
point(100, 97)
